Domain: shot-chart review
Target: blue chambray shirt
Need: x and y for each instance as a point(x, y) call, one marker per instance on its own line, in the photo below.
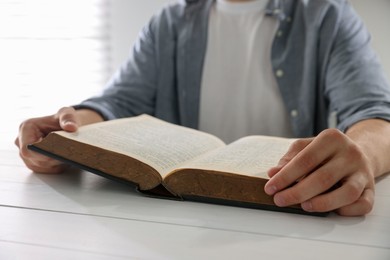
point(327, 72)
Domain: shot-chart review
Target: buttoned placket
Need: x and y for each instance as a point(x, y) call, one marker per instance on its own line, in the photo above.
point(274, 9)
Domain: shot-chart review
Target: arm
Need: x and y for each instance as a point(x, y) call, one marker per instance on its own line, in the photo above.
point(336, 170)
point(33, 129)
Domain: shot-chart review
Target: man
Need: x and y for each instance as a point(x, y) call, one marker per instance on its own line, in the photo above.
point(289, 68)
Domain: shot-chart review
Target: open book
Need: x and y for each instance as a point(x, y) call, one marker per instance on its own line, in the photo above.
point(166, 160)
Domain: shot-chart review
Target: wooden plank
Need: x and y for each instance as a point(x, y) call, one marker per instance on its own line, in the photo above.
point(27, 232)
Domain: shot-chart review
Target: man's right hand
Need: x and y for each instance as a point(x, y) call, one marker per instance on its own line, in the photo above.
point(34, 129)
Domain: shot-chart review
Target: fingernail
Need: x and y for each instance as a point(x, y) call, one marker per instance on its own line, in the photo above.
point(270, 190)
point(279, 201)
point(69, 124)
point(307, 206)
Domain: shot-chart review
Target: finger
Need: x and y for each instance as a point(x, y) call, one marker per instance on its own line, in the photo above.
point(308, 159)
point(348, 193)
point(274, 170)
point(67, 119)
point(293, 150)
point(16, 142)
point(316, 153)
point(56, 168)
point(29, 134)
point(32, 130)
point(361, 207)
point(321, 180)
point(43, 164)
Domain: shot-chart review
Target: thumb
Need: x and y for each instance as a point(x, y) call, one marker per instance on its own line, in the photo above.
point(67, 119)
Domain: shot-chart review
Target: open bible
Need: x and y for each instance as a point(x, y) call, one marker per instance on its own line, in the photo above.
point(170, 161)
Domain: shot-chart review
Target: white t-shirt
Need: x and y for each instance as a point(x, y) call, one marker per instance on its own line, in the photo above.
point(239, 93)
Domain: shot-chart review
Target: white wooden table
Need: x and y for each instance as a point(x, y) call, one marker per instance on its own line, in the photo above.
point(78, 215)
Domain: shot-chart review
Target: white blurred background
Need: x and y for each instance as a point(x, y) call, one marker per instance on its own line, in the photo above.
point(55, 53)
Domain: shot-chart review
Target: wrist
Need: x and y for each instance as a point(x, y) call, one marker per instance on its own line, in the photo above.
point(368, 136)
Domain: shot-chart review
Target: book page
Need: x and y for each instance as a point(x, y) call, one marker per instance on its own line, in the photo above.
point(160, 144)
point(251, 156)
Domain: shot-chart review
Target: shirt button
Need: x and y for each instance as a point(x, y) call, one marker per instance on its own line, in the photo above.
point(288, 19)
point(294, 113)
point(279, 73)
point(279, 33)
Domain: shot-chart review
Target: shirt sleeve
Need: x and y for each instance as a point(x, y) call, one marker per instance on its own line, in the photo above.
point(356, 86)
